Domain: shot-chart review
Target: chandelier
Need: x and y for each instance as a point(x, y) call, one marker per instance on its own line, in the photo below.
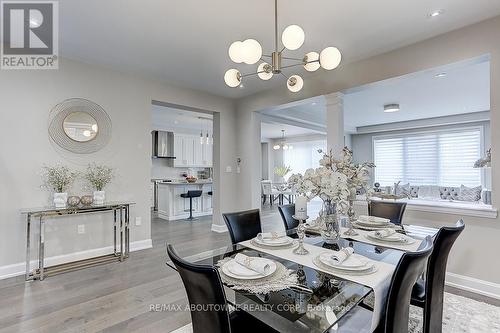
point(282, 145)
point(250, 52)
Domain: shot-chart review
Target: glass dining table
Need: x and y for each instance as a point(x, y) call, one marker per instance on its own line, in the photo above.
point(320, 302)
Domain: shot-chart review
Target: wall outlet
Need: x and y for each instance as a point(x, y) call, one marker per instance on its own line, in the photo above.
point(81, 228)
point(138, 220)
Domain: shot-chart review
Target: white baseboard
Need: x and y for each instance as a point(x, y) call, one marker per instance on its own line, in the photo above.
point(219, 228)
point(164, 216)
point(8, 271)
point(473, 285)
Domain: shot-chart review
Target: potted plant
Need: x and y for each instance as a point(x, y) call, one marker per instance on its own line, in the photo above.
point(58, 179)
point(98, 176)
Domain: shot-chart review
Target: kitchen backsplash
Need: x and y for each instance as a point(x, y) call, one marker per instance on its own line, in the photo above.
point(160, 170)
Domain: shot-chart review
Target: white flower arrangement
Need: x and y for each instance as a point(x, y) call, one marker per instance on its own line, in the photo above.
point(333, 180)
point(358, 175)
point(322, 182)
point(98, 175)
point(58, 178)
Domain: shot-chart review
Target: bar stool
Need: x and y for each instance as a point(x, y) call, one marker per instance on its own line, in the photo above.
point(191, 195)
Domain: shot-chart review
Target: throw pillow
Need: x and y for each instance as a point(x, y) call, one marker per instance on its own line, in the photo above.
point(449, 193)
point(430, 192)
point(470, 193)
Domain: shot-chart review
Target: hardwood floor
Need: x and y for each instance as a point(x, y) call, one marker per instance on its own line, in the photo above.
point(115, 297)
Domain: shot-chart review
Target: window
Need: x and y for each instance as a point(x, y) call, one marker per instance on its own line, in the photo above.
point(304, 155)
point(443, 158)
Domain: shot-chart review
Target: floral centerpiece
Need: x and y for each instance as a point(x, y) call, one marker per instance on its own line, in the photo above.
point(335, 182)
point(331, 186)
point(98, 177)
point(358, 177)
point(58, 179)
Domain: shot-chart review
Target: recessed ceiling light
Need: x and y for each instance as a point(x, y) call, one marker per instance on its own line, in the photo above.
point(391, 108)
point(436, 13)
point(439, 75)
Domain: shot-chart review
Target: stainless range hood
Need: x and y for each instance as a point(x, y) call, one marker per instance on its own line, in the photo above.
point(163, 144)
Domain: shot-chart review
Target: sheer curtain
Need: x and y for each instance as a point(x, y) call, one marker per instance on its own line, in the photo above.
point(443, 158)
point(304, 155)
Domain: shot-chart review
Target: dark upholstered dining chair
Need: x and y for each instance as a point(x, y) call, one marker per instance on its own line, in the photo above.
point(397, 308)
point(243, 226)
point(286, 212)
point(428, 293)
point(389, 210)
point(204, 287)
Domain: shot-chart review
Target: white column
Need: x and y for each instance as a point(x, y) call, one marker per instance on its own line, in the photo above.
point(335, 121)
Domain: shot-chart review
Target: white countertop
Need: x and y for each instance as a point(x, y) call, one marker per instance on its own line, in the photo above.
point(183, 182)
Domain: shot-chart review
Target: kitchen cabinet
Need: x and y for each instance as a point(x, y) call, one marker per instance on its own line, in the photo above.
point(171, 206)
point(189, 152)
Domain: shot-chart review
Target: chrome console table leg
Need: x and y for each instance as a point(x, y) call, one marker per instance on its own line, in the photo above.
point(28, 247)
point(114, 231)
point(121, 233)
point(127, 231)
point(41, 254)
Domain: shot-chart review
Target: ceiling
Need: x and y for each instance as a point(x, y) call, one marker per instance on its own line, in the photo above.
point(186, 42)
point(465, 88)
point(273, 131)
point(421, 95)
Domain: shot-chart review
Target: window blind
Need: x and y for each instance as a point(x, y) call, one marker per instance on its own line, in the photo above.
point(443, 158)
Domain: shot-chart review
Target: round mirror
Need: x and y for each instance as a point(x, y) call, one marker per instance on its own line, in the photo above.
point(80, 126)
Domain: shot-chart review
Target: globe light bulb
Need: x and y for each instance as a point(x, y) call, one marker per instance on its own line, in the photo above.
point(295, 83)
point(252, 51)
point(94, 127)
point(285, 147)
point(236, 52)
point(264, 71)
point(293, 37)
point(330, 58)
point(311, 66)
point(86, 133)
point(232, 77)
point(276, 147)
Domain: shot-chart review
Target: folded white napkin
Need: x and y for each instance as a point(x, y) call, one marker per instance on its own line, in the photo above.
point(342, 255)
point(367, 218)
point(385, 233)
point(272, 235)
point(258, 266)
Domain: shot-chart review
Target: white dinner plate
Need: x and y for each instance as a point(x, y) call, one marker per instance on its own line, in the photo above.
point(371, 228)
point(281, 241)
point(355, 262)
point(372, 224)
point(237, 271)
point(371, 268)
point(395, 238)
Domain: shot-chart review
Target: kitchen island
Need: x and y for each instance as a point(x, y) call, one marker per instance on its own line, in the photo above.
point(171, 206)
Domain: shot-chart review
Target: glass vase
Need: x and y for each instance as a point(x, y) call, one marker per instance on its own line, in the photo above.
point(330, 230)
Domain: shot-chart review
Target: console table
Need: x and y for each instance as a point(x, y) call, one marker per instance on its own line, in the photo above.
point(121, 221)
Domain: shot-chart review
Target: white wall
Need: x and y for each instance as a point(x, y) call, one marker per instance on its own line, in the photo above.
point(26, 99)
point(476, 246)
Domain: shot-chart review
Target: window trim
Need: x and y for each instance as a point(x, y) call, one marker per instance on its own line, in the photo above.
point(435, 131)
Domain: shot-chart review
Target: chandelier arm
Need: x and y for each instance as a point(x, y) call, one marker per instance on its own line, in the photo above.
point(294, 65)
point(250, 74)
point(290, 58)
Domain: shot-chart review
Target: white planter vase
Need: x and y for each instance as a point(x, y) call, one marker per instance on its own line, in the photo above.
point(99, 197)
point(60, 200)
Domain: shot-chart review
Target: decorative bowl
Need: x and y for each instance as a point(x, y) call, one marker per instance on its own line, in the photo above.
point(191, 180)
point(74, 201)
point(87, 200)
